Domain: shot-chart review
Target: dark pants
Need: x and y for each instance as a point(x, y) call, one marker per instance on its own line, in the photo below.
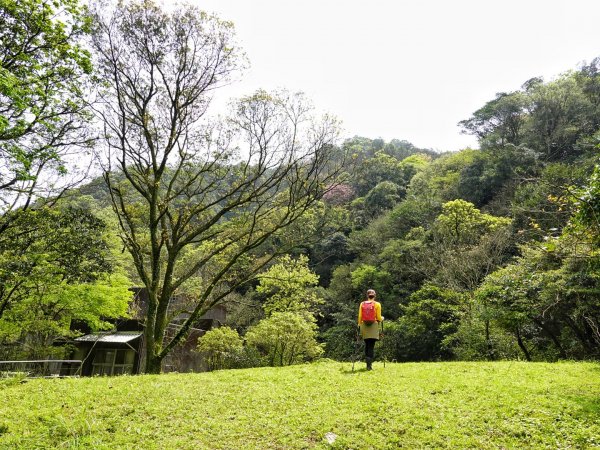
point(370, 349)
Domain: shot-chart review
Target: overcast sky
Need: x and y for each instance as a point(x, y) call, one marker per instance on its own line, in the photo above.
point(408, 69)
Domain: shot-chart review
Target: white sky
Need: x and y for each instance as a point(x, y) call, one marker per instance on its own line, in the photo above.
point(407, 69)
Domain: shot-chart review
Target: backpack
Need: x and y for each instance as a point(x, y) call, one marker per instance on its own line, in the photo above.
point(367, 312)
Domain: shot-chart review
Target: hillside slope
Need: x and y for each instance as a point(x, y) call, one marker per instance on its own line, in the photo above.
point(432, 405)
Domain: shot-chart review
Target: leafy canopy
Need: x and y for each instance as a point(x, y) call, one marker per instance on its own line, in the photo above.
point(288, 286)
point(44, 73)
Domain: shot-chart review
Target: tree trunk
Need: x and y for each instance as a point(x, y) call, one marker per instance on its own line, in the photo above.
point(591, 332)
point(488, 341)
point(578, 332)
point(153, 362)
point(522, 344)
point(282, 354)
point(552, 336)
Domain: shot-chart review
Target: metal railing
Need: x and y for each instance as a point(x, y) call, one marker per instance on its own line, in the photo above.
point(41, 368)
point(111, 369)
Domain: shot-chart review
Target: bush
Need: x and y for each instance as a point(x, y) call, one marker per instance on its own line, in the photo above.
point(244, 358)
point(285, 338)
point(221, 347)
point(469, 343)
point(340, 341)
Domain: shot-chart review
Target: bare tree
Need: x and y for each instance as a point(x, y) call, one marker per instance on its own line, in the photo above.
point(201, 206)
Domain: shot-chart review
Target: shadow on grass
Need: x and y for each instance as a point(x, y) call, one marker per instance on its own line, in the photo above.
point(590, 407)
point(360, 366)
point(596, 366)
point(349, 370)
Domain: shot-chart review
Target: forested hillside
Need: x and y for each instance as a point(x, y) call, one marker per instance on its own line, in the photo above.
point(478, 254)
point(488, 253)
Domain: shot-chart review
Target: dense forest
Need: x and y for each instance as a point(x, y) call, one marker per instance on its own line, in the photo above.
point(488, 253)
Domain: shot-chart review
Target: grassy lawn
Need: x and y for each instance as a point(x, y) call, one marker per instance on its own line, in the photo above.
point(434, 405)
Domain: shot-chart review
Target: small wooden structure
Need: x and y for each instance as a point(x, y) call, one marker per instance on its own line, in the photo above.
point(122, 350)
point(113, 353)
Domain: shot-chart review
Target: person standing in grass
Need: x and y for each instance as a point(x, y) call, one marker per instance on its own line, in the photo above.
point(369, 318)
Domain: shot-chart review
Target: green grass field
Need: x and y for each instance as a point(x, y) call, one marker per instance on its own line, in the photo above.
point(428, 405)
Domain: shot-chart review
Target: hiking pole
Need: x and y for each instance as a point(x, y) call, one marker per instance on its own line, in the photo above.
point(383, 343)
point(356, 350)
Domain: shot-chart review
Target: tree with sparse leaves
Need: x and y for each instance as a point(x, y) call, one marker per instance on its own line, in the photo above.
point(202, 206)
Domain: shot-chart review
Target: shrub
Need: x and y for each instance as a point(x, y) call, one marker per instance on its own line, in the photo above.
point(285, 338)
point(220, 346)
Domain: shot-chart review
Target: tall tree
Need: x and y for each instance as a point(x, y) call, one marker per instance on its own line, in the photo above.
point(500, 121)
point(43, 75)
point(196, 210)
point(560, 114)
point(289, 286)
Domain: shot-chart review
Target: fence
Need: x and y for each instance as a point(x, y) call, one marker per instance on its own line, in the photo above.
point(41, 368)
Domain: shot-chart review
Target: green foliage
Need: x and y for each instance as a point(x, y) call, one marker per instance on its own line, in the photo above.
point(550, 118)
point(548, 299)
point(415, 162)
point(439, 181)
point(588, 207)
point(361, 149)
point(340, 305)
point(44, 73)
point(55, 268)
point(381, 198)
point(71, 241)
point(401, 258)
point(465, 246)
point(366, 277)
point(366, 243)
point(478, 339)
point(560, 114)
point(462, 223)
point(46, 314)
point(424, 330)
point(285, 338)
point(329, 252)
point(380, 182)
point(288, 286)
point(494, 171)
point(408, 215)
point(437, 234)
point(500, 121)
point(340, 341)
point(219, 347)
point(545, 205)
point(374, 170)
